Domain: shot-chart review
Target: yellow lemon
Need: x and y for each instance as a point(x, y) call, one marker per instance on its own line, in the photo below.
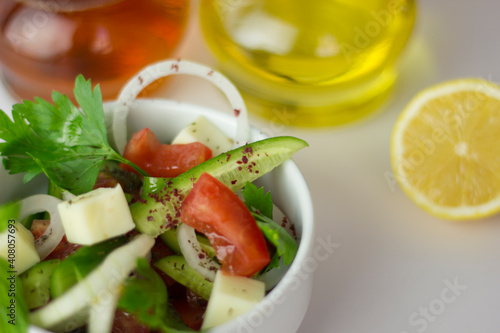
point(445, 149)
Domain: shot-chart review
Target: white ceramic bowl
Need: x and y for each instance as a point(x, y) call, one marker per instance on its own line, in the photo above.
point(283, 309)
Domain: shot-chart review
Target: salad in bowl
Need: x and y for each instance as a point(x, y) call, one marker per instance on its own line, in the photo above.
point(148, 215)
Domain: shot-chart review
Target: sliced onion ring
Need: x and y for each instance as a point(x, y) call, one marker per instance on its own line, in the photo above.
point(39, 203)
point(176, 67)
point(193, 253)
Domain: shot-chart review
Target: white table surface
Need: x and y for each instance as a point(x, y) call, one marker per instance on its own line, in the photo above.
point(394, 268)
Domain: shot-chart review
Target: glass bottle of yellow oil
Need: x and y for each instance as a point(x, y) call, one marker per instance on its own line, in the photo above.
point(309, 63)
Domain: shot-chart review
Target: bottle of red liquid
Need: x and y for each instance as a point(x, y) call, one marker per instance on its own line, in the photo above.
point(45, 44)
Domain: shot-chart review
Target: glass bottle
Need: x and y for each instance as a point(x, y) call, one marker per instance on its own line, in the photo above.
point(45, 44)
point(309, 63)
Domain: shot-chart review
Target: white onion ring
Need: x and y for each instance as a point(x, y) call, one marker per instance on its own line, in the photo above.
point(194, 255)
point(54, 233)
point(176, 67)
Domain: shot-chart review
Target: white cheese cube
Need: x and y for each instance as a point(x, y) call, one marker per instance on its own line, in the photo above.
point(96, 216)
point(231, 296)
point(17, 246)
point(204, 131)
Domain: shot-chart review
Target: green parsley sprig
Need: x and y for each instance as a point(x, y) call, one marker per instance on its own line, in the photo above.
point(66, 143)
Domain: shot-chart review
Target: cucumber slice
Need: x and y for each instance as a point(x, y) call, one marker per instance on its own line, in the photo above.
point(36, 283)
point(159, 211)
point(151, 185)
point(178, 269)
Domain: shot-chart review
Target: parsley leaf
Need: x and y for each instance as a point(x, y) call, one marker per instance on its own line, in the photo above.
point(257, 200)
point(260, 205)
point(145, 296)
point(69, 145)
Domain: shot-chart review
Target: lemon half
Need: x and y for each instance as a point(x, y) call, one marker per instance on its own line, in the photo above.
point(445, 149)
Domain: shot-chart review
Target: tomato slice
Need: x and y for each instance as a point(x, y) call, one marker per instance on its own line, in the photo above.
point(162, 160)
point(213, 209)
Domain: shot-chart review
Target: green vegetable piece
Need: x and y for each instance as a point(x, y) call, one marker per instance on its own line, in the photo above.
point(13, 310)
point(145, 296)
point(36, 283)
point(154, 184)
point(9, 211)
point(159, 211)
point(67, 144)
point(261, 206)
point(178, 269)
point(169, 237)
point(74, 268)
point(286, 246)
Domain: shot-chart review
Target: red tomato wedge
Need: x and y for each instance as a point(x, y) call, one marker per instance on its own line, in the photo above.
point(163, 160)
point(216, 211)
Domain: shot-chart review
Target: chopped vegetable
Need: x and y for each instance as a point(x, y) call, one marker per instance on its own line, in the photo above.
point(170, 238)
point(286, 246)
point(54, 233)
point(177, 267)
point(261, 205)
point(163, 160)
point(217, 212)
point(36, 283)
point(194, 254)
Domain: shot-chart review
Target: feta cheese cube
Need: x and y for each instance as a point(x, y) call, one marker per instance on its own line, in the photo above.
point(96, 216)
point(231, 296)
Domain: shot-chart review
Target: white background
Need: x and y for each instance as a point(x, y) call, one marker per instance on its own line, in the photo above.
point(393, 262)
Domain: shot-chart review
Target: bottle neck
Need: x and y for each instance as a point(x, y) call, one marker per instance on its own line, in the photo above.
point(67, 5)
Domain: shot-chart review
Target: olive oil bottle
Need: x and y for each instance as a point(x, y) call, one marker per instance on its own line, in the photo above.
point(309, 63)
